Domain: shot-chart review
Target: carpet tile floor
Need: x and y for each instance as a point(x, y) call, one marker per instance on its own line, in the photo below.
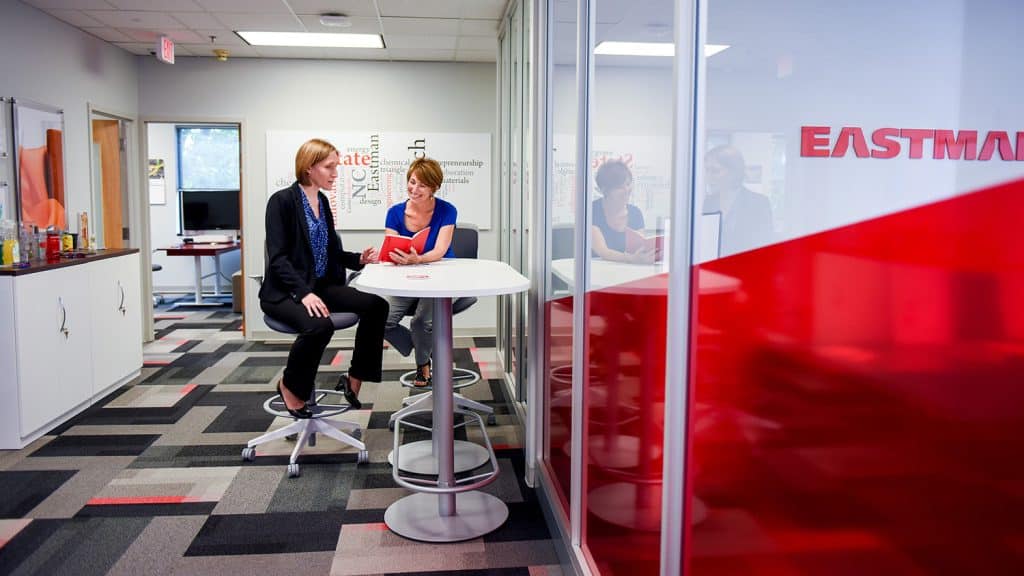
point(150, 479)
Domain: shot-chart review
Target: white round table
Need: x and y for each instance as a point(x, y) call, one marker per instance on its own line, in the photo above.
point(459, 513)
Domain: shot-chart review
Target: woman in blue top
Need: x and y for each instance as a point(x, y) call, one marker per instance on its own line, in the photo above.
point(422, 209)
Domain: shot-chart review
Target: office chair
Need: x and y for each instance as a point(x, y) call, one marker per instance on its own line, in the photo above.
point(158, 299)
point(465, 244)
point(323, 403)
point(563, 237)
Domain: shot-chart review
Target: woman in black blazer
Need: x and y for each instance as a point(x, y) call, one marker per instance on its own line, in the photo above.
point(305, 281)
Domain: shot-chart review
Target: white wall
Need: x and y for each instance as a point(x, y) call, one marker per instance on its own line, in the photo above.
point(47, 61)
point(333, 95)
point(178, 273)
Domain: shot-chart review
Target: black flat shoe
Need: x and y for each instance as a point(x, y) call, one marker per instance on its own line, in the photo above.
point(303, 413)
point(350, 396)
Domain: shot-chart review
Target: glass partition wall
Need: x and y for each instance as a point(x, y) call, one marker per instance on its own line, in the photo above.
point(608, 208)
point(780, 324)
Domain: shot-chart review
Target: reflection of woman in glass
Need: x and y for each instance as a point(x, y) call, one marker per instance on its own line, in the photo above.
point(746, 215)
point(613, 214)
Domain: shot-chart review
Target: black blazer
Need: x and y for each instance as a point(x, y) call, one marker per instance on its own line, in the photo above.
point(290, 270)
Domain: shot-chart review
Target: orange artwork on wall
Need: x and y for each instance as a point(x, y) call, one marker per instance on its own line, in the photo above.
point(41, 180)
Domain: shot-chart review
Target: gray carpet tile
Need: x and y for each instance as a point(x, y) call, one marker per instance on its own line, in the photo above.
point(150, 480)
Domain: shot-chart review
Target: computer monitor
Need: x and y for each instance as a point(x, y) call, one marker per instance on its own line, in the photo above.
point(202, 210)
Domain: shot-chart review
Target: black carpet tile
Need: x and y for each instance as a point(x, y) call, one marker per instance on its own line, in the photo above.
point(121, 445)
point(24, 490)
point(78, 546)
point(268, 533)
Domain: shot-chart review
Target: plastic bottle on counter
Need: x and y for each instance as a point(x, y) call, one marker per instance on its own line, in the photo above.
point(40, 243)
point(28, 240)
point(11, 252)
point(83, 230)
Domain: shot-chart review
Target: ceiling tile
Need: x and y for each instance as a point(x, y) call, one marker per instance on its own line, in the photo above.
point(76, 18)
point(263, 6)
point(234, 51)
point(225, 38)
point(198, 20)
point(355, 54)
point(431, 55)
point(135, 47)
point(135, 19)
point(158, 5)
point(479, 28)
point(476, 55)
point(477, 43)
point(71, 4)
point(360, 8)
point(360, 25)
point(147, 36)
point(420, 42)
point(421, 26)
point(492, 9)
point(261, 22)
point(108, 34)
point(420, 8)
point(185, 37)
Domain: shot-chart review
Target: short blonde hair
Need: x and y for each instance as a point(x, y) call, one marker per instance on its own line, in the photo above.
point(311, 153)
point(427, 170)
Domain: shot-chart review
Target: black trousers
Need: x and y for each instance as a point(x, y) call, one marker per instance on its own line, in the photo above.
point(315, 333)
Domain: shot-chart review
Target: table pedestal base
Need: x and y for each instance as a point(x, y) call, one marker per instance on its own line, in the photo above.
point(416, 517)
point(636, 506)
point(419, 458)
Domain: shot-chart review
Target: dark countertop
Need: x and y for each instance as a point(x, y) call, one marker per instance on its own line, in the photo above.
point(41, 266)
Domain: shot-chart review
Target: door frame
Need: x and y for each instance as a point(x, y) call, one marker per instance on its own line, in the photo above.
point(138, 221)
point(142, 165)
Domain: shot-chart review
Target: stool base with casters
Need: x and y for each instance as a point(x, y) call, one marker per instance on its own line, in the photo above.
point(323, 403)
point(306, 429)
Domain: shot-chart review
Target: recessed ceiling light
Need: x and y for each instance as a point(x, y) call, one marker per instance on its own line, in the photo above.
point(312, 39)
point(610, 48)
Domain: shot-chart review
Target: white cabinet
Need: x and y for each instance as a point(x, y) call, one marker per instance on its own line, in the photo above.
point(67, 335)
point(117, 321)
point(53, 333)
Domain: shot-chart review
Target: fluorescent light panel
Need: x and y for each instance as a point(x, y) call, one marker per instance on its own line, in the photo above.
point(610, 48)
point(312, 39)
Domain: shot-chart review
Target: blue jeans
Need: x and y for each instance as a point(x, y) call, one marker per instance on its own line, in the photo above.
point(421, 326)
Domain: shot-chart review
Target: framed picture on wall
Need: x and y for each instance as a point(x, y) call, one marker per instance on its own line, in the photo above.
point(39, 164)
point(157, 182)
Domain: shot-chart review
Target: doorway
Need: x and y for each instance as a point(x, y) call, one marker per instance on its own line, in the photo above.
point(195, 210)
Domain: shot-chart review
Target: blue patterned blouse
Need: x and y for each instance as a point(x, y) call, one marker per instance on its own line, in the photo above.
point(317, 235)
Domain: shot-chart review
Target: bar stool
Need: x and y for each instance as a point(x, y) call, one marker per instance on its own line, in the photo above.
point(323, 403)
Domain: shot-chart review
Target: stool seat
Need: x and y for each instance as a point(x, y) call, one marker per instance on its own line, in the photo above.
point(341, 320)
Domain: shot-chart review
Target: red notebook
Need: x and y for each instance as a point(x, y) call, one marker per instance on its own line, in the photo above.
point(403, 243)
point(635, 241)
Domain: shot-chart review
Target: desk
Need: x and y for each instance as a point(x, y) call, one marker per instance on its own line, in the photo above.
point(459, 512)
point(197, 251)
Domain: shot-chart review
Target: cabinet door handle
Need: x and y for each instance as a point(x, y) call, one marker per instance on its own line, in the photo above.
point(120, 306)
point(63, 319)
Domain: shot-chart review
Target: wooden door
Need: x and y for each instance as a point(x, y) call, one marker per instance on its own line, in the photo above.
point(106, 134)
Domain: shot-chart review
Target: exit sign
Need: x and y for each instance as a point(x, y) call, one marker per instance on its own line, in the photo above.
point(165, 50)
